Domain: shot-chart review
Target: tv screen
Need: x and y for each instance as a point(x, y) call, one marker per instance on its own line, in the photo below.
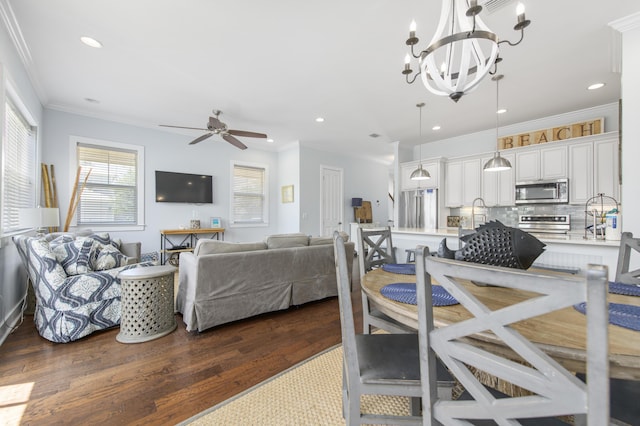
point(183, 188)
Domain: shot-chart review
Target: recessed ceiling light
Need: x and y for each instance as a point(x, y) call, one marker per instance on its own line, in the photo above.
point(270, 140)
point(596, 86)
point(91, 42)
point(319, 120)
point(92, 101)
point(501, 111)
point(435, 128)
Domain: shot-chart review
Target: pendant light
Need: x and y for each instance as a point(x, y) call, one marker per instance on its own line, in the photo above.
point(420, 173)
point(497, 163)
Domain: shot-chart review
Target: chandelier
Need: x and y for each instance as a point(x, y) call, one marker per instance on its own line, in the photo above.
point(462, 52)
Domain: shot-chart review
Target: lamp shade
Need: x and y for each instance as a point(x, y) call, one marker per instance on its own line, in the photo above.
point(497, 164)
point(420, 174)
point(39, 217)
point(356, 202)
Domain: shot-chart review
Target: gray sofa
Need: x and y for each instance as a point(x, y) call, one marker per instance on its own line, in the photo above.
point(222, 282)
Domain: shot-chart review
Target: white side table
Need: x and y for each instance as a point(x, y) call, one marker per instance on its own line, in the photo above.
point(147, 304)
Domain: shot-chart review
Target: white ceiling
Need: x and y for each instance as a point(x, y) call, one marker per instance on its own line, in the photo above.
point(274, 66)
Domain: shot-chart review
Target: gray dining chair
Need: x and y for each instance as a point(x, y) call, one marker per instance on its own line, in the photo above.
point(628, 245)
point(552, 390)
point(376, 249)
point(378, 364)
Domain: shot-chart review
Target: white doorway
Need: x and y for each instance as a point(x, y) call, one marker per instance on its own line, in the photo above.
point(331, 200)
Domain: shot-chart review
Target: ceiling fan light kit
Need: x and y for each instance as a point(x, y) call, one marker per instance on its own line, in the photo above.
point(462, 52)
point(217, 127)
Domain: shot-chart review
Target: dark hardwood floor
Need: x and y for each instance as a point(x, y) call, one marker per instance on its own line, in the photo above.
point(97, 380)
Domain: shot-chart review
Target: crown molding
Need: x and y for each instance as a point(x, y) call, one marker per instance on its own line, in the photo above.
point(627, 23)
point(15, 33)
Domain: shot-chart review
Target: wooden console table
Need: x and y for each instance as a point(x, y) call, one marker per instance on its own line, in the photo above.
point(187, 240)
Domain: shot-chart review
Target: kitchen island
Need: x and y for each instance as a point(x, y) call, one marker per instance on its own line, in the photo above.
point(567, 252)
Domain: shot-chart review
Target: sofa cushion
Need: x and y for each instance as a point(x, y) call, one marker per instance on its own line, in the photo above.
point(318, 241)
point(287, 240)
point(108, 257)
point(216, 247)
point(105, 239)
point(75, 256)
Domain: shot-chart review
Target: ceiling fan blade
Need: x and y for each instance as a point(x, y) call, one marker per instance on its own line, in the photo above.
point(233, 141)
point(201, 138)
point(182, 127)
point(246, 134)
point(215, 123)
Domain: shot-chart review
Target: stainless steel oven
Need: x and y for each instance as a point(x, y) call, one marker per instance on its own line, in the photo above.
point(543, 192)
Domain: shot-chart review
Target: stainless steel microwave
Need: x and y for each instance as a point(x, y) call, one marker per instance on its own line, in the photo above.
point(543, 192)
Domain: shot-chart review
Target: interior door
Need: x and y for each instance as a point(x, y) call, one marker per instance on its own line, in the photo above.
point(331, 200)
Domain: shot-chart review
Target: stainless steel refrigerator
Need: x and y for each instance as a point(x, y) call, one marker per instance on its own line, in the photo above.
point(419, 209)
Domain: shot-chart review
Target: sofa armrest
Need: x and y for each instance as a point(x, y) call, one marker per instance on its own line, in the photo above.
point(132, 250)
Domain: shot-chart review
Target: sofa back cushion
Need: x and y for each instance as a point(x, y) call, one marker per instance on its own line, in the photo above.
point(287, 240)
point(319, 241)
point(216, 247)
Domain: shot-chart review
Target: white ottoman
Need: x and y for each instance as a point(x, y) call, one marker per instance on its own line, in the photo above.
point(147, 304)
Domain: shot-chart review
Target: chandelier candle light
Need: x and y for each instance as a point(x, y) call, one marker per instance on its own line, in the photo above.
point(462, 52)
point(497, 163)
point(420, 173)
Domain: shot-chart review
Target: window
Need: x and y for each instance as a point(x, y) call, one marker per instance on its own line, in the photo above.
point(18, 166)
point(112, 196)
point(249, 188)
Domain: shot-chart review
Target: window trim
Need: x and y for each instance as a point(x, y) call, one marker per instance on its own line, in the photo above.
point(73, 162)
point(265, 208)
point(8, 92)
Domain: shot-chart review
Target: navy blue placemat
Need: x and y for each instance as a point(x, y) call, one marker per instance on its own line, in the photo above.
point(627, 316)
point(400, 268)
point(406, 293)
point(626, 289)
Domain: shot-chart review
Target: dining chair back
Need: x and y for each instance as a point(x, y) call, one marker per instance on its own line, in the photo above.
point(628, 245)
point(549, 389)
point(376, 249)
point(377, 364)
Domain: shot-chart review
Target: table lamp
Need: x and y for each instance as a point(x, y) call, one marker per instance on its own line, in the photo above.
point(39, 218)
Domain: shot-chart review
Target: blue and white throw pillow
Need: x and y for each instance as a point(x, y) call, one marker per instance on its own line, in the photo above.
point(75, 256)
point(109, 257)
point(105, 239)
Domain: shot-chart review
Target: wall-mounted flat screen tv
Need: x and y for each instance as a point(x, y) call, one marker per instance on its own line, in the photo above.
point(174, 187)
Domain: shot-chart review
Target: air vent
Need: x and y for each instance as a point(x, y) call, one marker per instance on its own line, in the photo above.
point(492, 6)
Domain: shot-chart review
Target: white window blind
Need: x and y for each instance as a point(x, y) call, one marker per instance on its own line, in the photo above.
point(249, 189)
point(18, 167)
point(110, 195)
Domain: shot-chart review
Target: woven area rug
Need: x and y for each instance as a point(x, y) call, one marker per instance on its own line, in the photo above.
point(309, 393)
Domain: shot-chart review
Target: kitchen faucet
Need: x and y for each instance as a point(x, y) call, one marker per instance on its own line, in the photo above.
point(473, 212)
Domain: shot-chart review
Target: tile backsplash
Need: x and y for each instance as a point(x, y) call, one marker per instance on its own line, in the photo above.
point(509, 215)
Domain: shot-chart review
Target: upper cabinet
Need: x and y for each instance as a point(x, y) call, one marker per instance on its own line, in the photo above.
point(594, 168)
point(406, 184)
point(498, 188)
point(463, 181)
point(541, 162)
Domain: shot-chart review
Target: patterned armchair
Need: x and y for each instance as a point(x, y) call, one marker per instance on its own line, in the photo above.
point(75, 281)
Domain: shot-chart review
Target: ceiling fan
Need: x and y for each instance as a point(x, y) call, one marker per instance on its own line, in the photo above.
point(217, 127)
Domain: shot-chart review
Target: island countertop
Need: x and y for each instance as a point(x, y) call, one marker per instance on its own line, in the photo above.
point(570, 238)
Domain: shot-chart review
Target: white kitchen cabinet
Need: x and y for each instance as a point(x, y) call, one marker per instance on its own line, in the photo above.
point(541, 163)
point(580, 172)
point(498, 188)
point(463, 181)
point(593, 169)
point(606, 167)
point(406, 184)
point(471, 180)
point(453, 184)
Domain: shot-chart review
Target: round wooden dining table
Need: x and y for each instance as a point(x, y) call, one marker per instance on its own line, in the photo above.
point(561, 334)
